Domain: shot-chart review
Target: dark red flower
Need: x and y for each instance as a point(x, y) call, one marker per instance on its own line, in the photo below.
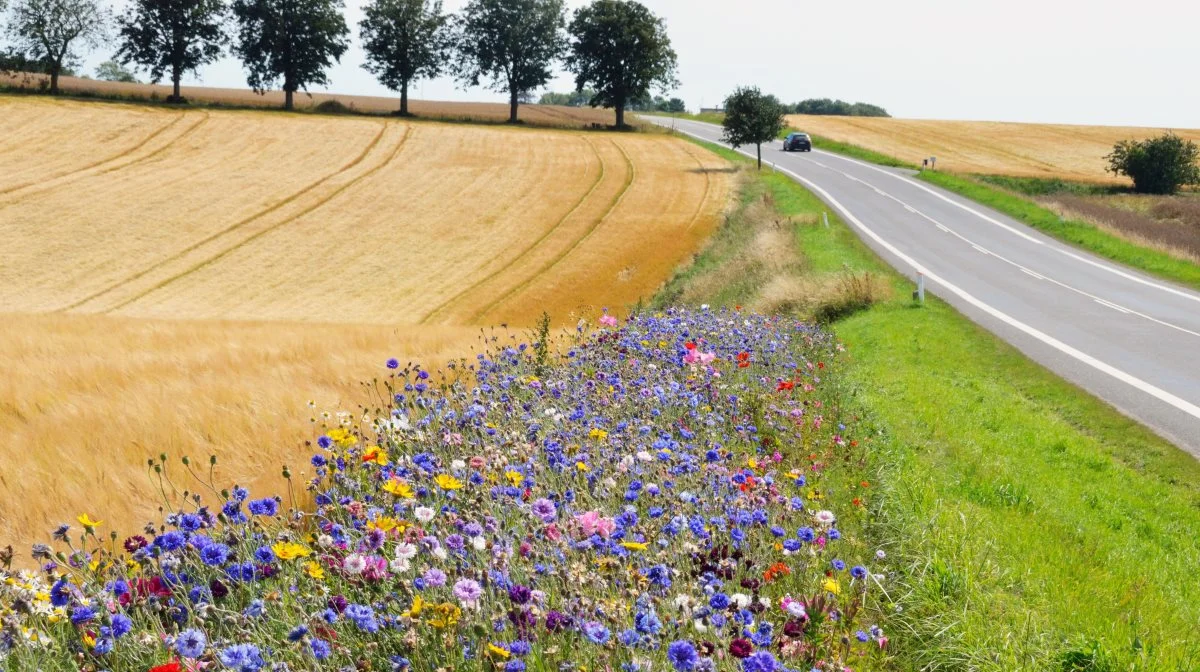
point(741, 648)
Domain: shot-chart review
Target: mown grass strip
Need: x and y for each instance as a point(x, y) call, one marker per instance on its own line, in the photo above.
point(1039, 528)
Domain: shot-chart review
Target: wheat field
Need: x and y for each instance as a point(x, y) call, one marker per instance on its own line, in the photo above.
point(1000, 148)
point(539, 115)
point(186, 281)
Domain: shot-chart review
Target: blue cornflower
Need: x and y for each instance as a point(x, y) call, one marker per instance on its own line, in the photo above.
point(362, 616)
point(81, 615)
point(835, 535)
point(596, 632)
point(719, 601)
point(121, 625)
point(647, 622)
point(170, 541)
point(682, 655)
point(242, 658)
point(806, 534)
point(264, 554)
point(191, 643)
point(514, 666)
point(103, 645)
point(240, 571)
point(400, 663)
point(519, 647)
point(319, 460)
point(861, 636)
point(254, 610)
point(858, 571)
point(190, 522)
point(297, 633)
point(838, 565)
point(60, 595)
point(760, 661)
point(214, 554)
point(324, 441)
point(263, 507)
point(240, 494)
point(320, 649)
point(393, 363)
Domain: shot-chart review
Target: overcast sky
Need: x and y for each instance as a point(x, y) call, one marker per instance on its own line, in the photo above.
point(1099, 62)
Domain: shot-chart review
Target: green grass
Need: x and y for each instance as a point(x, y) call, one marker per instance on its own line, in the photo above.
point(1037, 528)
point(1048, 186)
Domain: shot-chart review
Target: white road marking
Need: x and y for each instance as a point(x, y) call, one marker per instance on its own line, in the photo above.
point(1111, 305)
point(1026, 270)
point(1133, 381)
point(992, 220)
point(979, 249)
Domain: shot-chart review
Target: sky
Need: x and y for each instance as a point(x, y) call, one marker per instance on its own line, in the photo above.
point(1058, 61)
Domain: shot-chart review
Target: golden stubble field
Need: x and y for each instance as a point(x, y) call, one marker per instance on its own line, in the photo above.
point(541, 115)
point(1001, 148)
point(187, 281)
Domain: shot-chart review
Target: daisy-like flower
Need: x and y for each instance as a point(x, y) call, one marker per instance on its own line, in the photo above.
point(423, 513)
point(354, 564)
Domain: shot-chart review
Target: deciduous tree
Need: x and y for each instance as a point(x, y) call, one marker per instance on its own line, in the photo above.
point(752, 118)
point(1156, 165)
point(111, 71)
point(171, 37)
point(54, 31)
point(621, 49)
point(290, 40)
point(405, 40)
point(512, 43)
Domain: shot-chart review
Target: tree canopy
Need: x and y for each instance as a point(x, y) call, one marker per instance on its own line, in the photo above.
point(51, 31)
point(112, 71)
point(839, 108)
point(171, 37)
point(512, 43)
point(404, 40)
point(1157, 165)
point(290, 40)
point(752, 118)
point(621, 49)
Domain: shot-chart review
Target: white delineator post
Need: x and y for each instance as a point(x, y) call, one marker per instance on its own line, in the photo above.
point(919, 295)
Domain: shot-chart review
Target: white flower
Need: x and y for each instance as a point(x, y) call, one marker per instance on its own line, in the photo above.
point(400, 565)
point(479, 543)
point(880, 554)
point(354, 564)
point(796, 610)
point(423, 513)
point(700, 626)
point(683, 603)
point(645, 456)
point(325, 541)
point(458, 465)
point(406, 551)
point(825, 517)
point(741, 600)
point(440, 553)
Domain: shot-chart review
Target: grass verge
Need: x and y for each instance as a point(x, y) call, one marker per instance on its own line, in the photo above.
point(1038, 528)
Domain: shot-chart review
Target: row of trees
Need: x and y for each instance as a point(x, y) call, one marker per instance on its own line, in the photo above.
point(617, 49)
point(838, 108)
point(643, 103)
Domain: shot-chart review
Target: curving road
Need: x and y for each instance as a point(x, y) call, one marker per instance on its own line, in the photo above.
point(1128, 338)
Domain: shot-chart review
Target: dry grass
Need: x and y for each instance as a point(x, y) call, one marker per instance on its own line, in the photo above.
point(185, 282)
point(1169, 224)
point(1025, 150)
point(540, 115)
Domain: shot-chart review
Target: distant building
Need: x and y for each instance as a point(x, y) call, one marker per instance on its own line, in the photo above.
point(712, 110)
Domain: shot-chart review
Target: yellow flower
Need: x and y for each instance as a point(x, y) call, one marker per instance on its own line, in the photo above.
point(582, 467)
point(315, 571)
point(634, 545)
point(832, 586)
point(417, 606)
point(343, 438)
point(598, 434)
point(399, 488)
point(387, 524)
point(286, 550)
point(446, 615)
point(448, 482)
point(377, 455)
point(498, 651)
point(88, 522)
point(514, 477)
point(752, 463)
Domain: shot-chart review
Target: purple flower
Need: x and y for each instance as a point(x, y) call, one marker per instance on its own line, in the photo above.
point(760, 661)
point(467, 590)
point(434, 577)
point(682, 655)
point(519, 594)
point(544, 510)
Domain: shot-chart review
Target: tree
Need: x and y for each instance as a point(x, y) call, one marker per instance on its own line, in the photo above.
point(171, 36)
point(405, 40)
point(752, 118)
point(111, 71)
point(510, 42)
point(1156, 165)
point(290, 40)
point(622, 49)
point(52, 31)
point(676, 106)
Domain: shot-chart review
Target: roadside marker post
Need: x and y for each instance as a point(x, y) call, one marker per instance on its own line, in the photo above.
point(825, 216)
point(919, 295)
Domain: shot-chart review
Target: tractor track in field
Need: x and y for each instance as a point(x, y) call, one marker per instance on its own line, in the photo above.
point(578, 204)
point(75, 171)
point(582, 239)
point(707, 189)
point(255, 236)
point(236, 225)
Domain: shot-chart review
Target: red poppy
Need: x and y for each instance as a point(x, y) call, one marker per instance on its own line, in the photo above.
point(690, 345)
point(743, 360)
point(785, 385)
point(172, 666)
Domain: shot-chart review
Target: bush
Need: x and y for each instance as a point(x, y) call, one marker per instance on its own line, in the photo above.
point(1156, 165)
point(851, 293)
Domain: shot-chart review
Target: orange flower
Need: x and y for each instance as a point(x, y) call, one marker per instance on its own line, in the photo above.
point(776, 571)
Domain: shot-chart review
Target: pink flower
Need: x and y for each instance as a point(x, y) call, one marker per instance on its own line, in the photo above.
point(691, 357)
point(592, 522)
point(553, 533)
point(608, 320)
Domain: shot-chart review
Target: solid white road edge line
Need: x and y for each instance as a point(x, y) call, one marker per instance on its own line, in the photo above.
point(992, 220)
point(1133, 381)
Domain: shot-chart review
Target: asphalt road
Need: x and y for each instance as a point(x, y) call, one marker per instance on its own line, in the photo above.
point(1122, 335)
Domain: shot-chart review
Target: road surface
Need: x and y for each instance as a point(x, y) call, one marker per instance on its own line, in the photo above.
point(1130, 339)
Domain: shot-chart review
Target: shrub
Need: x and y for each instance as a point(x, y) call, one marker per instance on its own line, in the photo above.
point(1156, 165)
point(849, 294)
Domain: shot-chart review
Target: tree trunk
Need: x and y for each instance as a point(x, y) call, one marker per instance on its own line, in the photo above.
point(760, 156)
point(620, 116)
point(287, 99)
point(176, 75)
point(513, 101)
point(54, 70)
point(404, 98)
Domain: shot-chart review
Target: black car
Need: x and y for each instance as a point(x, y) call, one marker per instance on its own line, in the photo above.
point(797, 142)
